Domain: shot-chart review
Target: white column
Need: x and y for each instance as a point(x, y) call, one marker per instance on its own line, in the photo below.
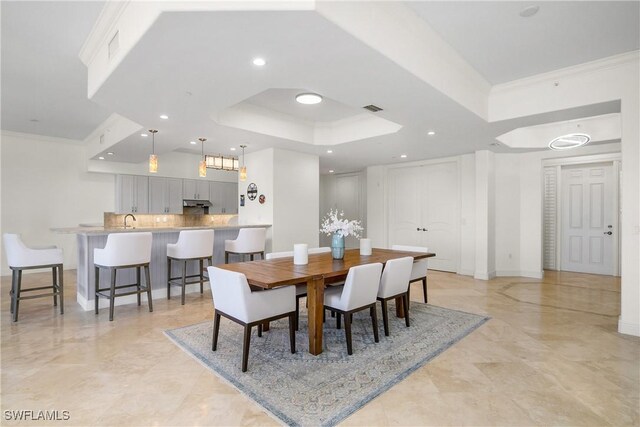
point(485, 216)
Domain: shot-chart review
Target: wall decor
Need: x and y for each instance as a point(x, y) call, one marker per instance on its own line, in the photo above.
point(252, 191)
point(262, 199)
point(242, 200)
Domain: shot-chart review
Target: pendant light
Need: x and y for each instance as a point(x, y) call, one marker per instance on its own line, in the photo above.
point(243, 169)
point(153, 159)
point(202, 166)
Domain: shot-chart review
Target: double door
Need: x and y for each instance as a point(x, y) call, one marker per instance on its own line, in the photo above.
point(424, 211)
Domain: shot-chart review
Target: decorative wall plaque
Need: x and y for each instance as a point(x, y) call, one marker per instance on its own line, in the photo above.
point(262, 199)
point(252, 191)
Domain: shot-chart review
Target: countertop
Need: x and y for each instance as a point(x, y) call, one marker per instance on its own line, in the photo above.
point(103, 230)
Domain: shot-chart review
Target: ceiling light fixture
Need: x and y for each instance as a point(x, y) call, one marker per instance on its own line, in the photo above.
point(110, 153)
point(144, 135)
point(233, 148)
point(329, 151)
point(243, 169)
point(153, 159)
point(202, 165)
point(308, 98)
point(164, 116)
point(567, 142)
point(192, 142)
point(331, 170)
point(100, 158)
point(529, 11)
point(259, 62)
point(431, 133)
point(403, 156)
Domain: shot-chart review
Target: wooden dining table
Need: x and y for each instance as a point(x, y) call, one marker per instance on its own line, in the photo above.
point(321, 270)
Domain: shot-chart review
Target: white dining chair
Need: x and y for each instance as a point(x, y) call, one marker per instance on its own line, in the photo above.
point(123, 250)
point(301, 289)
point(419, 270)
point(394, 283)
point(250, 241)
point(20, 257)
point(358, 293)
point(233, 299)
point(192, 245)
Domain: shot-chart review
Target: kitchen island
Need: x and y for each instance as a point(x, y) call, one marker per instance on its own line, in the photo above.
point(89, 238)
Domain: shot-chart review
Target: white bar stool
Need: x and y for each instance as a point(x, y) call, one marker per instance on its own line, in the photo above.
point(250, 241)
point(192, 245)
point(20, 257)
point(123, 250)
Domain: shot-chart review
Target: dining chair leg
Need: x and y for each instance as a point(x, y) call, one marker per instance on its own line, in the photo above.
point(16, 296)
point(201, 276)
point(14, 300)
point(147, 280)
point(338, 320)
point(97, 286)
point(292, 332)
point(374, 322)
point(184, 279)
point(61, 288)
point(297, 312)
point(385, 318)
point(424, 288)
point(168, 278)
point(54, 275)
point(226, 257)
point(333, 314)
point(347, 330)
point(259, 330)
point(406, 312)
point(409, 295)
point(216, 329)
point(14, 275)
point(245, 347)
point(112, 293)
point(138, 282)
point(262, 254)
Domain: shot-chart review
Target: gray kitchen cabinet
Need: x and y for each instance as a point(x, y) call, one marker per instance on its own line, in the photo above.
point(165, 195)
point(132, 194)
point(224, 197)
point(193, 189)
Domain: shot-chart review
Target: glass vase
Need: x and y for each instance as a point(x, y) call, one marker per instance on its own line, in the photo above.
point(337, 246)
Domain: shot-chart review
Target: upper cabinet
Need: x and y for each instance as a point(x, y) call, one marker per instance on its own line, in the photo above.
point(224, 197)
point(132, 194)
point(193, 189)
point(165, 195)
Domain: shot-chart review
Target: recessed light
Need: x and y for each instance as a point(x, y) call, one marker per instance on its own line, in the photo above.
point(331, 170)
point(529, 11)
point(192, 142)
point(308, 98)
point(164, 116)
point(329, 151)
point(110, 153)
point(144, 135)
point(403, 156)
point(233, 148)
point(100, 158)
point(259, 62)
point(431, 133)
point(567, 142)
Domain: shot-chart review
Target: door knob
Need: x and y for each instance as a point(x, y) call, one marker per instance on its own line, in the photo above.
point(424, 229)
point(608, 232)
point(418, 229)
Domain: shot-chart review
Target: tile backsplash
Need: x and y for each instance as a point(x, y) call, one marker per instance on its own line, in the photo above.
point(169, 220)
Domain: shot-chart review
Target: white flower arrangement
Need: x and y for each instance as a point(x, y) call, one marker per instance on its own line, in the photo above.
point(335, 223)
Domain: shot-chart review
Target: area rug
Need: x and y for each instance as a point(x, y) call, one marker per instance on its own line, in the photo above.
point(304, 390)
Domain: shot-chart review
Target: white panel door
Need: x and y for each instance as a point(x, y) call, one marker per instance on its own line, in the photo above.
point(440, 213)
point(424, 211)
point(587, 219)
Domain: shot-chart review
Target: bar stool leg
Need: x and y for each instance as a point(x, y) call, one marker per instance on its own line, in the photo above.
point(201, 275)
point(168, 278)
point(148, 281)
point(184, 279)
point(138, 284)
point(14, 276)
point(16, 296)
point(226, 257)
point(54, 276)
point(61, 288)
point(112, 294)
point(96, 288)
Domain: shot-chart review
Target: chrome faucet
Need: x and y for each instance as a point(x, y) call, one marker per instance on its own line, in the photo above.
point(127, 216)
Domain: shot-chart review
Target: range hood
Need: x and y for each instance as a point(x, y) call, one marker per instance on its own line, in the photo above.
point(190, 203)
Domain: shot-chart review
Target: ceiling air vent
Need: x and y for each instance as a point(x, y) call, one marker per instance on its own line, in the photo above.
point(372, 108)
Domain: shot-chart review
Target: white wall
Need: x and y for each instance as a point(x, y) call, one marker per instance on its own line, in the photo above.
point(45, 184)
point(507, 214)
point(344, 192)
point(467, 263)
point(485, 211)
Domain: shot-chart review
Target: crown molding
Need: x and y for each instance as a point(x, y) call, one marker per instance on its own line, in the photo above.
point(34, 136)
point(586, 68)
point(102, 29)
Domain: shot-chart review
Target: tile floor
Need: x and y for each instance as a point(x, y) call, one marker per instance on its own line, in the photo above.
point(549, 355)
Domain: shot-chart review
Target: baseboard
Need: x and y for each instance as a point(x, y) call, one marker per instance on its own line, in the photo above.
point(518, 273)
point(484, 275)
point(629, 328)
point(465, 272)
point(156, 294)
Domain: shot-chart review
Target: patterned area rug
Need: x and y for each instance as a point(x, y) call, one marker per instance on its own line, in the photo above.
point(301, 389)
